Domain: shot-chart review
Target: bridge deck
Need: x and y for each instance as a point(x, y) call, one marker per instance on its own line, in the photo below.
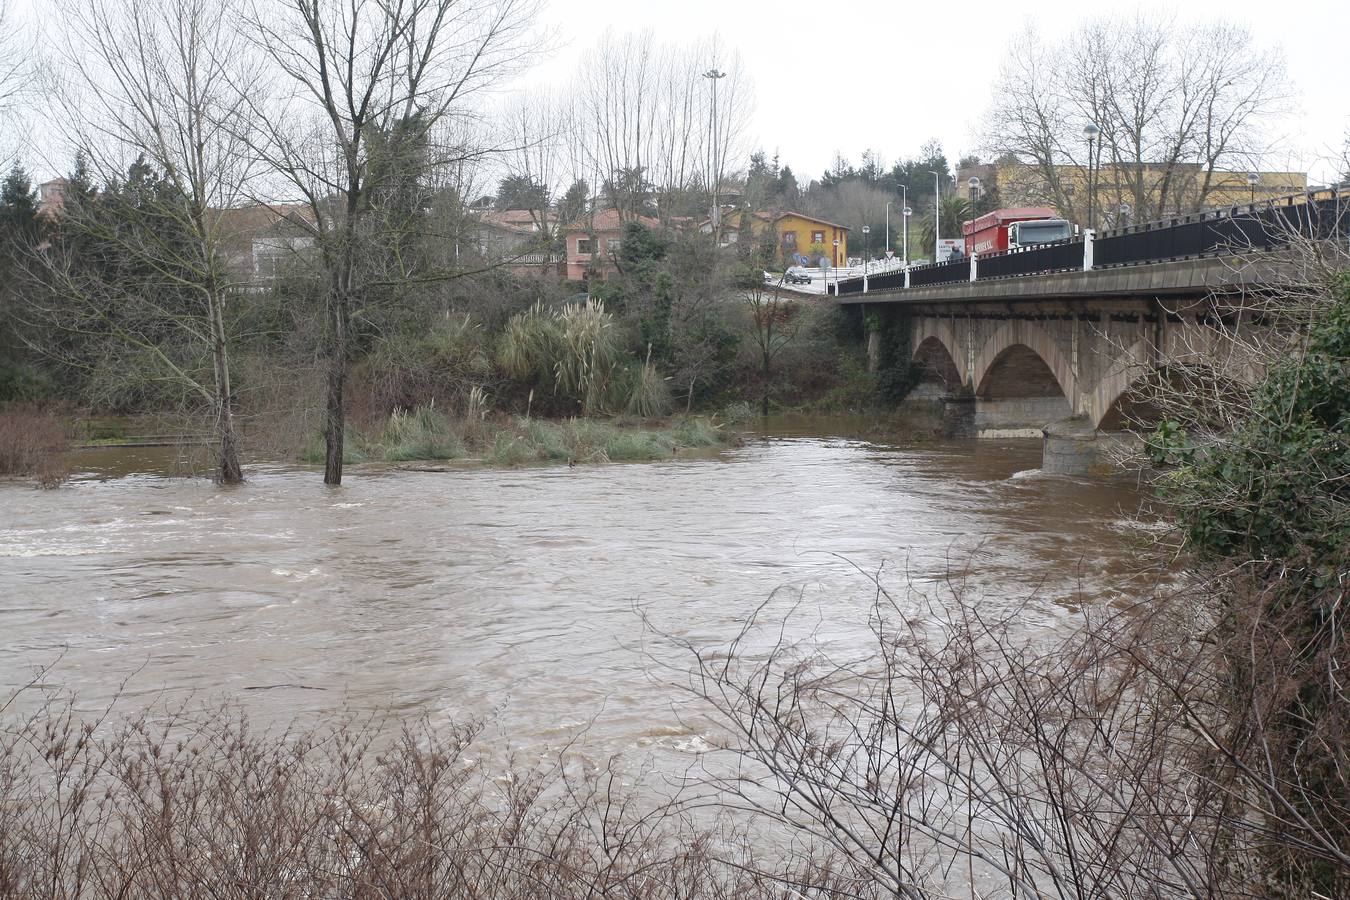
point(1177, 278)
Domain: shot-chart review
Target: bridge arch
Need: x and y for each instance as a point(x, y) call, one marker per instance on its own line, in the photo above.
point(936, 364)
point(1107, 405)
point(935, 341)
point(1016, 343)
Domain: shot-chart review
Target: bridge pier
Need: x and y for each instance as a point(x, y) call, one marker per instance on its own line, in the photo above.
point(1071, 446)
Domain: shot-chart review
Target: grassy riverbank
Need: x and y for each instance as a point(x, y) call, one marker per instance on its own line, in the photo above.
point(426, 434)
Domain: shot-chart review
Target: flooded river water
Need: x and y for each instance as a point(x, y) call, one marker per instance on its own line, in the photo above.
point(514, 594)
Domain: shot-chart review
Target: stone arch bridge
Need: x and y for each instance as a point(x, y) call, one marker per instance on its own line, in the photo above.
point(1056, 355)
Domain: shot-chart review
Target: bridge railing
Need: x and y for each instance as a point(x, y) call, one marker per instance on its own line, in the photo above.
point(1061, 256)
point(1263, 225)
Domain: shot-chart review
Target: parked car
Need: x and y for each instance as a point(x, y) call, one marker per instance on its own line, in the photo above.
point(797, 275)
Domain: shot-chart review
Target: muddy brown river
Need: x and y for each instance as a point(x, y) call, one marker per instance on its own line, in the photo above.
point(514, 595)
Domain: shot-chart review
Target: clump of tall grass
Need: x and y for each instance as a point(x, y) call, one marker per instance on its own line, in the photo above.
point(33, 443)
point(644, 392)
point(421, 433)
point(575, 355)
point(697, 432)
point(511, 450)
point(589, 441)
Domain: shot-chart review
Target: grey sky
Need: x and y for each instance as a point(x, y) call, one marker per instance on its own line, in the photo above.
point(934, 65)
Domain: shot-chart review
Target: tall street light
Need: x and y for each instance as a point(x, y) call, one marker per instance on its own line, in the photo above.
point(1253, 179)
point(907, 212)
point(1090, 131)
point(888, 223)
point(937, 213)
point(836, 271)
point(715, 76)
point(865, 230)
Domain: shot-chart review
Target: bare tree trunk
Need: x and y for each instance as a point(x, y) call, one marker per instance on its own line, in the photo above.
point(334, 418)
point(228, 470)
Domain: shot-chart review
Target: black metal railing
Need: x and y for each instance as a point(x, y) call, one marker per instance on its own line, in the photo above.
point(1038, 259)
point(1264, 225)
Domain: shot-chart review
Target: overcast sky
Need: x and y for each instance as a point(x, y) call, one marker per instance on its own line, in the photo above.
point(942, 58)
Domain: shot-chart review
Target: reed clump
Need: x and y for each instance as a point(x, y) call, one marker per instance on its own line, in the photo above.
point(427, 433)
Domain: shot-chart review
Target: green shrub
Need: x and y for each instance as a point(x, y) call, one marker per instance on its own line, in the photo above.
point(1268, 491)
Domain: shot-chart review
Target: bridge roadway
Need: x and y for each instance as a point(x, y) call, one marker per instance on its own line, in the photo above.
point(1056, 355)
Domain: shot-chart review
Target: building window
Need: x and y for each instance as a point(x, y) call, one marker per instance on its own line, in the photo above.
point(584, 246)
point(790, 240)
point(817, 237)
point(612, 245)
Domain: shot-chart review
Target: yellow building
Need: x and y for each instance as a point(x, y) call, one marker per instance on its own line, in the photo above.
point(1125, 194)
point(794, 233)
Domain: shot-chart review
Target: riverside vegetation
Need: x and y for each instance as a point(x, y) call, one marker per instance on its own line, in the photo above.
point(468, 366)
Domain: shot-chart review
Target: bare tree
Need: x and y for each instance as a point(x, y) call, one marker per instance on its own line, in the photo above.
point(1176, 107)
point(18, 69)
point(367, 90)
point(537, 132)
point(156, 80)
point(775, 327)
point(645, 117)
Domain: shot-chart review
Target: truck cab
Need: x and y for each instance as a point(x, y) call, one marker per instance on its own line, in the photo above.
point(1038, 231)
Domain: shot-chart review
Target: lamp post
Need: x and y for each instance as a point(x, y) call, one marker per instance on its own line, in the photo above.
point(836, 271)
point(715, 76)
point(888, 223)
point(1090, 131)
point(904, 225)
point(1124, 214)
point(1253, 179)
point(974, 185)
point(937, 213)
point(865, 230)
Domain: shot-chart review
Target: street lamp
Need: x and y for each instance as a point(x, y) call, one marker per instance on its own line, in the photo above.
point(1090, 131)
point(715, 76)
point(974, 185)
point(937, 213)
point(866, 230)
point(888, 223)
point(1253, 179)
point(1124, 214)
point(836, 271)
point(906, 212)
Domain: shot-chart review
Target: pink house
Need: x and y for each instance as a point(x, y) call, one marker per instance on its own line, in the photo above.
point(592, 246)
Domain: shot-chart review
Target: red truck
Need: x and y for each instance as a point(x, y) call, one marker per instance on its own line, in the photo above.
point(1014, 227)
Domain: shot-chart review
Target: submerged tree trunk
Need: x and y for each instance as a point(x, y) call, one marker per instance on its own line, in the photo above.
point(334, 420)
point(228, 470)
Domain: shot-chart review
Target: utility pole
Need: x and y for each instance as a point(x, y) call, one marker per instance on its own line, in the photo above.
point(715, 76)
